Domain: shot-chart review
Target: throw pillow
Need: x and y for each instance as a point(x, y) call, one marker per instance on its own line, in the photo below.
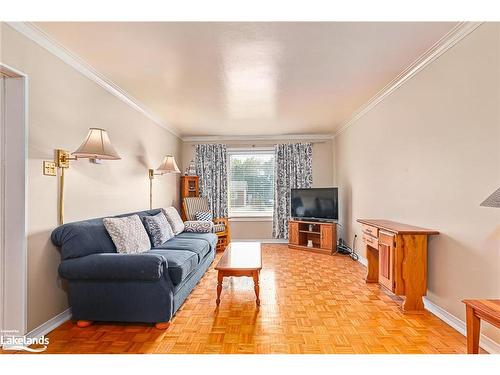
point(128, 234)
point(203, 216)
point(174, 219)
point(199, 226)
point(158, 228)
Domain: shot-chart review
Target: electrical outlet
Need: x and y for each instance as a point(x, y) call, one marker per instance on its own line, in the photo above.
point(49, 168)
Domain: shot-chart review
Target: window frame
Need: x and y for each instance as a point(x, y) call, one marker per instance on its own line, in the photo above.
point(245, 151)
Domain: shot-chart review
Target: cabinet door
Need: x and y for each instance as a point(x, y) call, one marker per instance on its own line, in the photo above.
point(326, 235)
point(386, 261)
point(293, 233)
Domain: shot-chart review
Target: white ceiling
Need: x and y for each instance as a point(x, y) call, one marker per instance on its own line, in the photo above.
point(257, 78)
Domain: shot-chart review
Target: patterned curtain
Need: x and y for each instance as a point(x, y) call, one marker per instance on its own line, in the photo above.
point(293, 169)
point(211, 167)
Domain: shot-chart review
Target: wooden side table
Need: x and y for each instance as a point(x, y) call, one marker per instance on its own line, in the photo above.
point(477, 309)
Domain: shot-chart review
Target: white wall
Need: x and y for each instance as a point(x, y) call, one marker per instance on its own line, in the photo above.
point(428, 155)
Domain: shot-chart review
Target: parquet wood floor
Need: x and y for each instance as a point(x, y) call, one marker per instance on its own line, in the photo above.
point(310, 303)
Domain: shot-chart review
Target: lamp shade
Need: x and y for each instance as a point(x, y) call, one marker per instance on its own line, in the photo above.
point(493, 200)
point(168, 165)
point(97, 146)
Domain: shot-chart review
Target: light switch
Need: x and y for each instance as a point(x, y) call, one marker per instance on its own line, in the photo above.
point(49, 168)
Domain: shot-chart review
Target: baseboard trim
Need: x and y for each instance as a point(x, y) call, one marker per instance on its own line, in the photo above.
point(50, 324)
point(362, 260)
point(485, 342)
point(262, 240)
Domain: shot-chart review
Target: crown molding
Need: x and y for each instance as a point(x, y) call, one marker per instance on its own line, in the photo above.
point(460, 31)
point(278, 137)
point(44, 40)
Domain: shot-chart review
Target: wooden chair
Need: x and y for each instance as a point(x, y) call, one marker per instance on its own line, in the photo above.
point(192, 205)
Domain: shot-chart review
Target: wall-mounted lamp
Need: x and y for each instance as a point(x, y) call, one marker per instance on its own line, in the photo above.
point(493, 200)
point(95, 147)
point(167, 166)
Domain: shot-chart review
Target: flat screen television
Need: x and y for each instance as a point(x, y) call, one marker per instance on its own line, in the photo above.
point(315, 204)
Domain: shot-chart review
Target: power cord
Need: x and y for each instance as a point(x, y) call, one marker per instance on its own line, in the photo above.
point(342, 248)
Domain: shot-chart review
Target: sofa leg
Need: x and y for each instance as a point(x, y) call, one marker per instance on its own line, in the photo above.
point(84, 323)
point(162, 325)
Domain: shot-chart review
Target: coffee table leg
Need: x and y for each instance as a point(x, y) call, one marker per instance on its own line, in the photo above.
point(256, 287)
point(220, 276)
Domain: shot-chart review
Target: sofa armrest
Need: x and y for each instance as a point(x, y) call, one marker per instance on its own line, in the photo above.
point(113, 266)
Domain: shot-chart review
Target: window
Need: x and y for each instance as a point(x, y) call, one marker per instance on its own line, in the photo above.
point(251, 182)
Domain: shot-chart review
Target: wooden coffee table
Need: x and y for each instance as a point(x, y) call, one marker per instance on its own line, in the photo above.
point(240, 259)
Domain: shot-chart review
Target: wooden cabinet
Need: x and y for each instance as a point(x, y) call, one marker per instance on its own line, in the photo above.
point(321, 236)
point(397, 259)
point(190, 186)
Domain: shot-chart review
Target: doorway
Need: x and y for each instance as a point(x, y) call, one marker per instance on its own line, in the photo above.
point(13, 181)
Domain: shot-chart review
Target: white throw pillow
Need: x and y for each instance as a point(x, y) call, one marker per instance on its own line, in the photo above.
point(174, 219)
point(128, 234)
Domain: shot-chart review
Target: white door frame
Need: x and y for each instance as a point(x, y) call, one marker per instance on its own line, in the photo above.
point(13, 190)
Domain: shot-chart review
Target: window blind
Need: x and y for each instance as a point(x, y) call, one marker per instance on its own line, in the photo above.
point(251, 183)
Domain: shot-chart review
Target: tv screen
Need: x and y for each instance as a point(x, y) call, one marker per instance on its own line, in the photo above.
point(315, 203)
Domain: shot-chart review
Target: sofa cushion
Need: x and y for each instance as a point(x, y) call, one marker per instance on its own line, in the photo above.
point(194, 245)
point(180, 263)
point(158, 228)
point(128, 234)
point(210, 238)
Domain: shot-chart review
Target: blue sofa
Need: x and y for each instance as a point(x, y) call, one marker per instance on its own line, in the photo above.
point(104, 285)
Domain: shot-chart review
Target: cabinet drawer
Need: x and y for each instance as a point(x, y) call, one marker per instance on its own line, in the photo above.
point(369, 230)
point(371, 241)
point(386, 238)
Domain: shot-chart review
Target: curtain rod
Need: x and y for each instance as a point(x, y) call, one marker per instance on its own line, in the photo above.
point(236, 145)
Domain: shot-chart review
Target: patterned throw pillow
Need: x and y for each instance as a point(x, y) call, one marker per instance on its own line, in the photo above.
point(128, 234)
point(199, 226)
point(203, 216)
point(174, 219)
point(158, 228)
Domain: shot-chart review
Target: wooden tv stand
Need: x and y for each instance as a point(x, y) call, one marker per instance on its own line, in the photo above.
point(397, 259)
point(322, 234)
